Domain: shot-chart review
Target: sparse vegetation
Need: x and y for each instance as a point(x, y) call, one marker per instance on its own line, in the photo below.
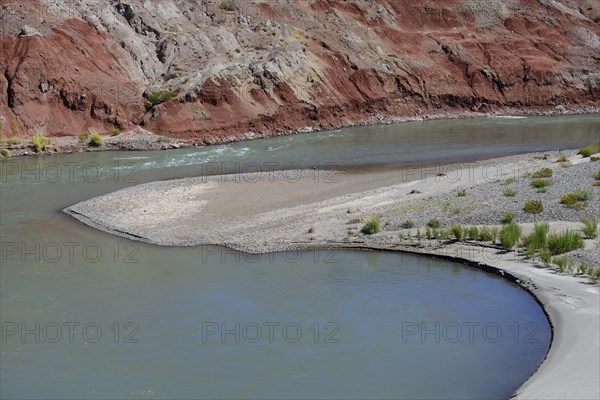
point(161, 96)
point(561, 263)
point(228, 5)
point(115, 132)
point(538, 239)
point(457, 231)
point(590, 227)
point(543, 173)
point(508, 181)
point(473, 232)
point(462, 193)
point(541, 183)
point(509, 217)
point(589, 150)
point(560, 243)
point(13, 141)
point(576, 199)
point(372, 226)
point(597, 175)
point(510, 235)
point(487, 235)
point(533, 207)
point(545, 256)
point(509, 192)
point(593, 158)
point(434, 223)
point(408, 224)
point(562, 158)
point(5, 153)
point(84, 137)
point(39, 143)
point(96, 140)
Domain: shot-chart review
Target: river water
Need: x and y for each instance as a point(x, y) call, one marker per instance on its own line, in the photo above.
point(88, 315)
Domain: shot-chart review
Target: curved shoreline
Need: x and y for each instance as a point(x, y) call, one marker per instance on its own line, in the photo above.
point(275, 216)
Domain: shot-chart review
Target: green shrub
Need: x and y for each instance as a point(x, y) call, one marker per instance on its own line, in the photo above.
point(543, 173)
point(457, 231)
point(541, 183)
point(590, 227)
point(486, 235)
point(13, 141)
point(568, 200)
point(228, 5)
point(473, 232)
point(84, 137)
point(509, 217)
point(408, 224)
point(538, 239)
point(372, 226)
point(428, 233)
point(96, 139)
point(589, 150)
point(533, 207)
point(434, 223)
point(39, 143)
point(561, 263)
point(509, 235)
point(509, 192)
point(560, 243)
point(462, 193)
point(592, 158)
point(545, 256)
point(115, 132)
point(161, 96)
point(574, 199)
point(582, 195)
point(583, 268)
point(5, 153)
point(419, 236)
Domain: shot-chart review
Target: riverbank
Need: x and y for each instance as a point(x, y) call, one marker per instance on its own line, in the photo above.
point(290, 210)
point(139, 139)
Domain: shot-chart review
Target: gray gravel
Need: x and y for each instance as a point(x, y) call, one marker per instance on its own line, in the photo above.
point(485, 204)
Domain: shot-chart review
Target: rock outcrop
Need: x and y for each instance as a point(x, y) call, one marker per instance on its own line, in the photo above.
point(229, 68)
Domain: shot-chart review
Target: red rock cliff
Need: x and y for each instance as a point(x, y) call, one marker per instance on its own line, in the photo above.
point(269, 66)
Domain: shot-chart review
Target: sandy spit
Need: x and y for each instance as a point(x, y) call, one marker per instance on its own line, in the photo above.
point(292, 210)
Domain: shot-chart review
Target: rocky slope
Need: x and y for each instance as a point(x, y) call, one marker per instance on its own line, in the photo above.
point(241, 69)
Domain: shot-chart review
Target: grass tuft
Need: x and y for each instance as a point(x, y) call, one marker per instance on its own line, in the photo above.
point(589, 150)
point(434, 223)
point(510, 235)
point(509, 192)
point(372, 226)
point(161, 96)
point(560, 243)
point(543, 173)
point(590, 227)
point(541, 183)
point(533, 207)
point(39, 143)
point(538, 239)
point(408, 224)
point(96, 139)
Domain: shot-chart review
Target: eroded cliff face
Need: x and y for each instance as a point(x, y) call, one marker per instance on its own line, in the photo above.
point(271, 66)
